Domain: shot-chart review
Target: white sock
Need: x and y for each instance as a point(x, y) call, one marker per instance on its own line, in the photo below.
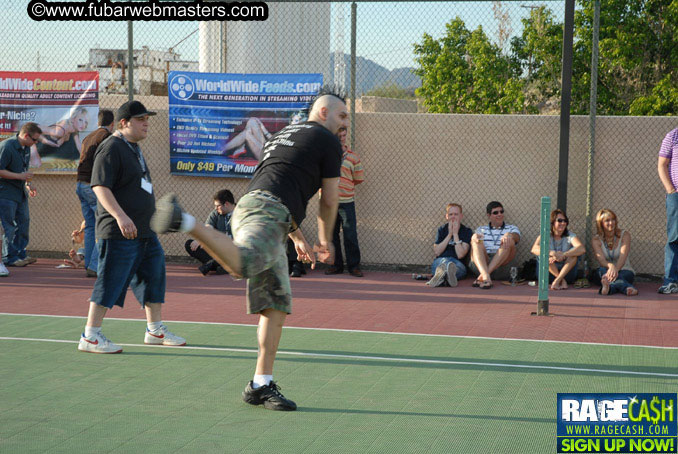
point(154, 326)
point(91, 331)
point(261, 380)
point(187, 223)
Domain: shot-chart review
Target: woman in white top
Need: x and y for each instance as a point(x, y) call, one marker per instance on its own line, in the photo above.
point(611, 247)
point(564, 251)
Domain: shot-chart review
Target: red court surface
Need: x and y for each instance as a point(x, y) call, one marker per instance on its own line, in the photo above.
point(381, 301)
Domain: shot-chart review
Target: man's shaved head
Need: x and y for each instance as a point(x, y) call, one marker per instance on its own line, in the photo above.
point(328, 101)
point(329, 110)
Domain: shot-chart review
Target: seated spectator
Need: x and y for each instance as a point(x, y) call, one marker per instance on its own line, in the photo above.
point(451, 247)
point(294, 266)
point(493, 247)
point(611, 247)
point(565, 248)
point(220, 219)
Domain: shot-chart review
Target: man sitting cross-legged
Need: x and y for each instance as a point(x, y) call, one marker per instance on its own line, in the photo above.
point(493, 246)
point(219, 219)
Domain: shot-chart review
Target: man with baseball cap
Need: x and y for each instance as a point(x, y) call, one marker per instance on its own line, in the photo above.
point(129, 251)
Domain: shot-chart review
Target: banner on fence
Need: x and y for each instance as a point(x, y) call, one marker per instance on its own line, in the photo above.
point(64, 104)
point(220, 122)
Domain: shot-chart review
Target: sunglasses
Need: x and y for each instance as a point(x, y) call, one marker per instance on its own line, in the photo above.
point(34, 139)
point(498, 212)
point(562, 221)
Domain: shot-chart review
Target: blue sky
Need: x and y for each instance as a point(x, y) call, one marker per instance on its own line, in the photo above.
point(386, 32)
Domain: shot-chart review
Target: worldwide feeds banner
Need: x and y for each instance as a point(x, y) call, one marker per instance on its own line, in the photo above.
point(64, 104)
point(219, 122)
point(617, 423)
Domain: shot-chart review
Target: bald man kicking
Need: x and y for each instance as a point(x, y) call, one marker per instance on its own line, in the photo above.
point(296, 162)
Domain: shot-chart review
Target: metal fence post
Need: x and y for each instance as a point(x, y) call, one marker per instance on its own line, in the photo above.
point(354, 11)
point(130, 61)
point(543, 270)
point(566, 100)
point(592, 119)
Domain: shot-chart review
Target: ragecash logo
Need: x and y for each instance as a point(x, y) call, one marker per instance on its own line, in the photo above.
point(182, 87)
point(617, 423)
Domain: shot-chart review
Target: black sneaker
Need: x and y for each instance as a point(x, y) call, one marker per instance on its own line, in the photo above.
point(268, 395)
point(205, 268)
point(167, 216)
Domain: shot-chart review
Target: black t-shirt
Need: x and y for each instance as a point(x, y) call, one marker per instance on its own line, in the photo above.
point(294, 163)
point(465, 235)
point(118, 167)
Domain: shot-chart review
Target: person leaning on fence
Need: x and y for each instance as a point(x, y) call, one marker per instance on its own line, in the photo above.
point(297, 162)
point(453, 241)
point(611, 247)
point(667, 167)
point(493, 247)
point(219, 219)
point(565, 248)
point(352, 174)
point(15, 187)
point(88, 200)
point(129, 251)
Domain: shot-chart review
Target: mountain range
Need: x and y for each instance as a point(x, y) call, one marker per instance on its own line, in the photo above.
point(371, 75)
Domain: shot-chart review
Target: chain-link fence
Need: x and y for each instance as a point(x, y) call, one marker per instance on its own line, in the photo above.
point(454, 102)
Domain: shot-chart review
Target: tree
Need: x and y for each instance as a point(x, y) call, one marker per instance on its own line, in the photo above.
point(464, 72)
point(538, 49)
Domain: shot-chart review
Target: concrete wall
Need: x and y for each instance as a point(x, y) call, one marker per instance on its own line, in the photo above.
point(379, 104)
point(416, 163)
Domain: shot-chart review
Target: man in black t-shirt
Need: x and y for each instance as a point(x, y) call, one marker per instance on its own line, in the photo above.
point(130, 253)
point(296, 162)
point(453, 242)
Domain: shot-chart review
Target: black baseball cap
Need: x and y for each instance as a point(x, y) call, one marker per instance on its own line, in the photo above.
point(132, 109)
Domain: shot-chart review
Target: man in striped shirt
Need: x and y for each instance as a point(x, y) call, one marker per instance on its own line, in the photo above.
point(493, 247)
point(352, 173)
point(667, 166)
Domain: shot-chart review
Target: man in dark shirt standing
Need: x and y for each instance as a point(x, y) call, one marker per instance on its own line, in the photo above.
point(130, 253)
point(88, 201)
point(14, 180)
point(296, 162)
point(220, 219)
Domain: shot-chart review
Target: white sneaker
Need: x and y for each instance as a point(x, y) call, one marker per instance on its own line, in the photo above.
point(3, 270)
point(98, 344)
point(438, 279)
point(451, 273)
point(163, 336)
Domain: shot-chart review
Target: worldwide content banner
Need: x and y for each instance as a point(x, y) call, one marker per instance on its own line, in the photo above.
point(219, 122)
point(617, 423)
point(64, 104)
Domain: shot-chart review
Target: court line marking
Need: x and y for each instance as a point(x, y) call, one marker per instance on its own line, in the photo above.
point(397, 333)
point(373, 358)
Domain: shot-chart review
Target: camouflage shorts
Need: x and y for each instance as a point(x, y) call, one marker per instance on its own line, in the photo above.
point(260, 225)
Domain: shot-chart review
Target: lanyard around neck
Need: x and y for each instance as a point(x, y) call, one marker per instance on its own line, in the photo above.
point(137, 153)
point(494, 239)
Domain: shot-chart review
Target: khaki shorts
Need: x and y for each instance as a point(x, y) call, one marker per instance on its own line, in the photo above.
point(260, 225)
point(503, 273)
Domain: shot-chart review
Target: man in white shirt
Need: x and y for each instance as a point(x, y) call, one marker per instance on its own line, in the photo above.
point(493, 247)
